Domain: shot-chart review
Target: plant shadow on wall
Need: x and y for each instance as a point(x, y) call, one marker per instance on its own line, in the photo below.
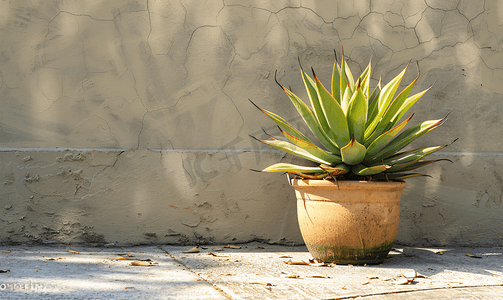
point(353, 191)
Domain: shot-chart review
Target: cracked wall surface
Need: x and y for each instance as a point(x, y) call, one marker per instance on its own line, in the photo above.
point(160, 89)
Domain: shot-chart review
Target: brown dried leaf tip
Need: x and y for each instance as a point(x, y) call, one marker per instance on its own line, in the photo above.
point(262, 283)
point(472, 256)
point(290, 262)
point(232, 247)
point(192, 250)
point(143, 263)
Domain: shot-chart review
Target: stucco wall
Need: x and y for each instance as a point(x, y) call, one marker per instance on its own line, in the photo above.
point(151, 98)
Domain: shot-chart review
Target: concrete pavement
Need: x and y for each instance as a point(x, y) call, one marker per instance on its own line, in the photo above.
point(246, 271)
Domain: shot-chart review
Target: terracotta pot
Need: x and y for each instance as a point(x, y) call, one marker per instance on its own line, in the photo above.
point(348, 222)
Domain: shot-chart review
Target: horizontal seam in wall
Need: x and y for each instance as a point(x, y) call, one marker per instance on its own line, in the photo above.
point(125, 149)
point(469, 153)
point(211, 151)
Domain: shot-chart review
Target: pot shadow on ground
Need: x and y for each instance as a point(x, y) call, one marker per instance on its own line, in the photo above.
point(431, 261)
point(426, 261)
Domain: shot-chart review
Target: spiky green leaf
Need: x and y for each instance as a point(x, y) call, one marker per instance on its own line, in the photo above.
point(413, 165)
point(353, 153)
point(312, 149)
point(407, 137)
point(285, 167)
point(375, 147)
point(357, 115)
point(283, 123)
point(363, 170)
point(384, 100)
point(336, 81)
point(295, 150)
point(337, 170)
point(406, 106)
point(316, 105)
point(385, 124)
point(333, 114)
point(373, 104)
point(311, 122)
point(412, 155)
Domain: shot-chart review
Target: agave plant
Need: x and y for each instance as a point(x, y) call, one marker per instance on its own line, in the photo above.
point(358, 131)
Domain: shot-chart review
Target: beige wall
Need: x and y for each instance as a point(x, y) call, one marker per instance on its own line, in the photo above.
point(159, 90)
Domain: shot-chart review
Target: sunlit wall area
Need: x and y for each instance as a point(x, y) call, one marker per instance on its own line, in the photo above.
point(129, 121)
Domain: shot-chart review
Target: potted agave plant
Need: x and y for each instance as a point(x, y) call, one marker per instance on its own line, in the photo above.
point(349, 202)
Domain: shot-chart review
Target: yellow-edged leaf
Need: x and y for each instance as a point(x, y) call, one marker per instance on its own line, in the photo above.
point(353, 153)
point(285, 167)
point(313, 149)
point(375, 147)
point(357, 115)
point(363, 170)
point(334, 115)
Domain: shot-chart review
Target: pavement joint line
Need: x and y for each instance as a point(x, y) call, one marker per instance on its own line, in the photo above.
point(413, 291)
point(216, 287)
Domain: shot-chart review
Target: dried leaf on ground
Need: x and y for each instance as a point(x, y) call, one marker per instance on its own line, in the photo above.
point(72, 251)
point(319, 265)
point(472, 256)
point(315, 263)
point(285, 256)
point(372, 276)
point(192, 250)
point(290, 262)
point(439, 252)
point(135, 259)
point(218, 255)
point(217, 249)
point(292, 276)
point(317, 276)
point(142, 263)
point(233, 260)
point(260, 247)
point(6, 251)
point(413, 274)
point(262, 283)
point(410, 274)
point(403, 280)
point(53, 258)
point(367, 282)
point(232, 247)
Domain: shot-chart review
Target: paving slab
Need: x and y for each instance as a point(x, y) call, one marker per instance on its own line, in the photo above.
point(43, 272)
point(246, 271)
point(258, 271)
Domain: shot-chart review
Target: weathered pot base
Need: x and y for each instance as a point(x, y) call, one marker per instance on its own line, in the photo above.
point(346, 255)
point(348, 222)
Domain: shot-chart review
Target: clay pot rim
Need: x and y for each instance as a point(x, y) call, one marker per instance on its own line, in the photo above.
point(345, 184)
